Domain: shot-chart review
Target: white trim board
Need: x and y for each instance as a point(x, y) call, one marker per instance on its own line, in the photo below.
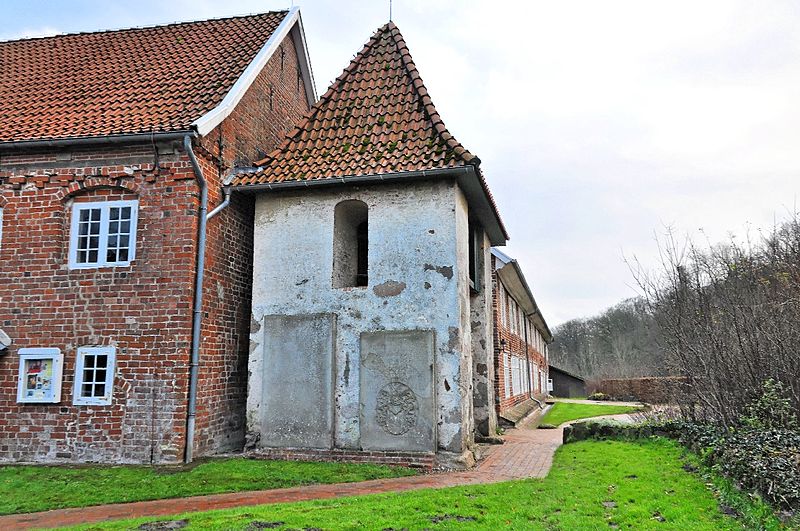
point(206, 123)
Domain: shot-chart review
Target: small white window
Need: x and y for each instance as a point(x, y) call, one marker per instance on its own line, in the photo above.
point(94, 376)
point(103, 234)
point(39, 375)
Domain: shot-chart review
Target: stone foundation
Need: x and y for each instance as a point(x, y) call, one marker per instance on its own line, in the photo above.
point(422, 460)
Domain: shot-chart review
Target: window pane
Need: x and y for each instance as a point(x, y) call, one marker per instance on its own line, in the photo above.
point(126, 227)
point(126, 213)
point(88, 361)
point(81, 257)
point(83, 229)
point(102, 361)
point(86, 390)
point(88, 375)
point(123, 255)
point(111, 255)
point(113, 227)
point(100, 375)
point(92, 257)
point(123, 241)
point(96, 214)
point(84, 214)
point(113, 214)
point(112, 241)
point(99, 390)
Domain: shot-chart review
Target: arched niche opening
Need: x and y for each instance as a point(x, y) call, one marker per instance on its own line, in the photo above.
point(350, 244)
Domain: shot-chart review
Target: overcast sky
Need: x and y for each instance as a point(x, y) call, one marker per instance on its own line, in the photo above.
point(599, 123)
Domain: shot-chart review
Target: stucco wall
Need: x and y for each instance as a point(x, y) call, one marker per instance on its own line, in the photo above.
point(416, 281)
point(481, 327)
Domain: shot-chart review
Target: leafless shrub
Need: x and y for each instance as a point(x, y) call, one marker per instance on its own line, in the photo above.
point(728, 318)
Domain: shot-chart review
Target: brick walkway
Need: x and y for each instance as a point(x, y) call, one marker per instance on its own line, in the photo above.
point(526, 453)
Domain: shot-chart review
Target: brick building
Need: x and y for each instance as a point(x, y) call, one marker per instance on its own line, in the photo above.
point(106, 140)
point(196, 256)
point(521, 336)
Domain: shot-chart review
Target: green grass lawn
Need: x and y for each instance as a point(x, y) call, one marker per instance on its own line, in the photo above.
point(592, 485)
point(38, 488)
point(562, 412)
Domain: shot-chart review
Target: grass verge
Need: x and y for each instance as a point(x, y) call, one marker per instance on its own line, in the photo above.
point(562, 412)
point(592, 485)
point(26, 489)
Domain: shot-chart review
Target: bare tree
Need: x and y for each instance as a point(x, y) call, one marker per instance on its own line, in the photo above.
point(728, 317)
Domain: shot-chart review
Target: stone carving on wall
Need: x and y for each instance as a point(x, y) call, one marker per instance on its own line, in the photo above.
point(397, 408)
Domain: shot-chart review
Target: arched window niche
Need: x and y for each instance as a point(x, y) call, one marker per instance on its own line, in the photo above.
point(350, 244)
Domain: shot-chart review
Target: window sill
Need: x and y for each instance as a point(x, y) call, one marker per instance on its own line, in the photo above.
point(76, 267)
point(91, 403)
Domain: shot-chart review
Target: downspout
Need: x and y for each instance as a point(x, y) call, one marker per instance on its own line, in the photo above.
point(197, 311)
point(219, 208)
point(197, 314)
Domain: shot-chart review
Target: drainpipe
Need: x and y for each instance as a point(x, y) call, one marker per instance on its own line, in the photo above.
point(221, 206)
point(197, 314)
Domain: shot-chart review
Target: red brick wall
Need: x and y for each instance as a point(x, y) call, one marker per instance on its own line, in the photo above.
point(514, 344)
point(142, 309)
point(145, 310)
point(653, 390)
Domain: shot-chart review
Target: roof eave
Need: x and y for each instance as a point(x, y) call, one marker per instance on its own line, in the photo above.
point(210, 120)
point(485, 212)
point(299, 38)
point(517, 277)
point(467, 177)
point(131, 138)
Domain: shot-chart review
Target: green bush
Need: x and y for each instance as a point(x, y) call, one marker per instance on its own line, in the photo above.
point(771, 410)
point(597, 395)
point(766, 461)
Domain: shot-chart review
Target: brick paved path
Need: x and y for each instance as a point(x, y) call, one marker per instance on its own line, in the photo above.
point(526, 453)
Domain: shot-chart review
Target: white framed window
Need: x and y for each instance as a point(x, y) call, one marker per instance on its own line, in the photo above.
point(507, 371)
point(94, 376)
point(502, 295)
point(40, 375)
point(103, 234)
point(515, 373)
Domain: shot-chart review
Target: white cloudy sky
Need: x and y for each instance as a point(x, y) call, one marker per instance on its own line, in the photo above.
point(599, 123)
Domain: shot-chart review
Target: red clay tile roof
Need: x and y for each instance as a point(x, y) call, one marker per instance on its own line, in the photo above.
point(376, 118)
point(124, 81)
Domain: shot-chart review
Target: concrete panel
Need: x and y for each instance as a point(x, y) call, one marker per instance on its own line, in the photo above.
point(398, 403)
point(297, 381)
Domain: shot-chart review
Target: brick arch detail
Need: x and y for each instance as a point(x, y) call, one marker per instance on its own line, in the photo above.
point(95, 183)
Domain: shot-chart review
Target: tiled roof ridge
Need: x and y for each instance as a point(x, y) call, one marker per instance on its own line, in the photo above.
point(145, 27)
point(430, 111)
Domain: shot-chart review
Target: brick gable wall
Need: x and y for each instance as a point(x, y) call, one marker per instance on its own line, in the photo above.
point(145, 309)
